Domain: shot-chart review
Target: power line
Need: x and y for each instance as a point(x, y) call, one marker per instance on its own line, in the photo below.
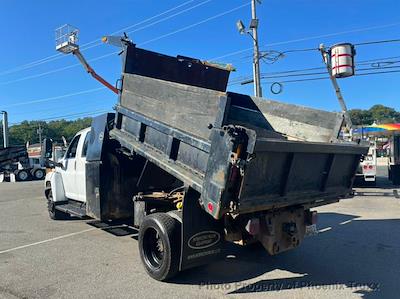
point(281, 54)
point(101, 57)
point(321, 73)
point(310, 38)
point(86, 45)
point(156, 22)
point(31, 64)
point(86, 113)
point(54, 97)
point(326, 78)
point(149, 19)
point(376, 63)
point(196, 24)
point(57, 70)
point(355, 44)
point(86, 104)
point(378, 42)
point(115, 52)
point(248, 79)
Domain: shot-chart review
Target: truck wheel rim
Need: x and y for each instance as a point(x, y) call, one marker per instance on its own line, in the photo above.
point(39, 174)
point(23, 175)
point(153, 248)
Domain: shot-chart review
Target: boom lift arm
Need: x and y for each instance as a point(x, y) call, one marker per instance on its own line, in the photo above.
point(67, 42)
point(92, 72)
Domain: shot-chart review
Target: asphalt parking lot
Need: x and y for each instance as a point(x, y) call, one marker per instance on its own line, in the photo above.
point(356, 254)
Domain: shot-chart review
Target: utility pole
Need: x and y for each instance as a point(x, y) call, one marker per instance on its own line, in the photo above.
point(256, 59)
point(40, 131)
point(256, 51)
point(5, 128)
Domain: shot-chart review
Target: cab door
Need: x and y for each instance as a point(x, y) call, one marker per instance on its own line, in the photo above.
point(68, 171)
point(80, 169)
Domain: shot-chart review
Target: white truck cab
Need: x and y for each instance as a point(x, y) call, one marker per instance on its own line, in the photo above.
point(67, 180)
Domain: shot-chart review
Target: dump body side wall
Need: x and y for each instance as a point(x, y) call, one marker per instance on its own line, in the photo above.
point(184, 107)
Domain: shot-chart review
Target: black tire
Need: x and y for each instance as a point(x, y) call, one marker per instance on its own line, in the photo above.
point(53, 213)
point(22, 175)
point(395, 174)
point(372, 183)
point(39, 174)
point(159, 245)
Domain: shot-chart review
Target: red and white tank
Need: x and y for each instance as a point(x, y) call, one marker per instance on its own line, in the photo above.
point(342, 60)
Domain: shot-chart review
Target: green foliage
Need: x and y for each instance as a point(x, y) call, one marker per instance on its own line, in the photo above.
point(27, 130)
point(361, 117)
point(377, 113)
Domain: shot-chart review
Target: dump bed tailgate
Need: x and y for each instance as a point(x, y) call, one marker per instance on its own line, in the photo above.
point(288, 172)
point(275, 173)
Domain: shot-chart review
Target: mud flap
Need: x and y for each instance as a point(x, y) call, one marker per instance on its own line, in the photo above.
point(202, 235)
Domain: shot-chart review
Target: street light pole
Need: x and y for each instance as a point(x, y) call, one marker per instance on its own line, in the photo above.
point(256, 58)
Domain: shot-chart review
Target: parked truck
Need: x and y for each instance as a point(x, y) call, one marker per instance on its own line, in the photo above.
point(194, 167)
point(394, 158)
point(15, 165)
point(367, 169)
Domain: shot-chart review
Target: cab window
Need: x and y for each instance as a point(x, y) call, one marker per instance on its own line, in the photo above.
point(85, 145)
point(71, 152)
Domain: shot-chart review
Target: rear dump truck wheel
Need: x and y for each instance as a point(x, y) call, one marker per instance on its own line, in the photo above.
point(159, 245)
point(53, 213)
point(39, 174)
point(22, 175)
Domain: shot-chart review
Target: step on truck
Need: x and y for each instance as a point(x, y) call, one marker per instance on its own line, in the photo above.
point(194, 167)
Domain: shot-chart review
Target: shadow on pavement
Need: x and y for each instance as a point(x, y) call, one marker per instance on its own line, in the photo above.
point(363, 255)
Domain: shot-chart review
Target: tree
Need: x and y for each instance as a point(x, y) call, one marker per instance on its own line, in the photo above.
point(384, 115)
point(361, 117)
point(26, 131)
point(377, 113)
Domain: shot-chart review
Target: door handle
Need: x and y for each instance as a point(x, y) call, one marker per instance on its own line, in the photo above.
point(75, 165)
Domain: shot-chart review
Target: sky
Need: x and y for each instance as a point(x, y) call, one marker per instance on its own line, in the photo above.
point(37, 83)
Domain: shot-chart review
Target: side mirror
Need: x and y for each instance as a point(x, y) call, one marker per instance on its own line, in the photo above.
point(53, 164)
point(47, 150)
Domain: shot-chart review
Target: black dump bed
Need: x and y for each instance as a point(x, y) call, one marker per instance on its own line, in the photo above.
point(174, 112)
point(12, 154)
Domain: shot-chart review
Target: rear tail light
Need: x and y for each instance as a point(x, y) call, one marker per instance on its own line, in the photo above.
point(370, 167)
point(314, 217)
point(210, 207)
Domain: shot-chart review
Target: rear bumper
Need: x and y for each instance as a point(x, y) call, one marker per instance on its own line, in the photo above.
point(367, 177)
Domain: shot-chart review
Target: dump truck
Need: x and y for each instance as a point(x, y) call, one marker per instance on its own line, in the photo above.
point(14, 160)
point(194, 167)
point(15, 165)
